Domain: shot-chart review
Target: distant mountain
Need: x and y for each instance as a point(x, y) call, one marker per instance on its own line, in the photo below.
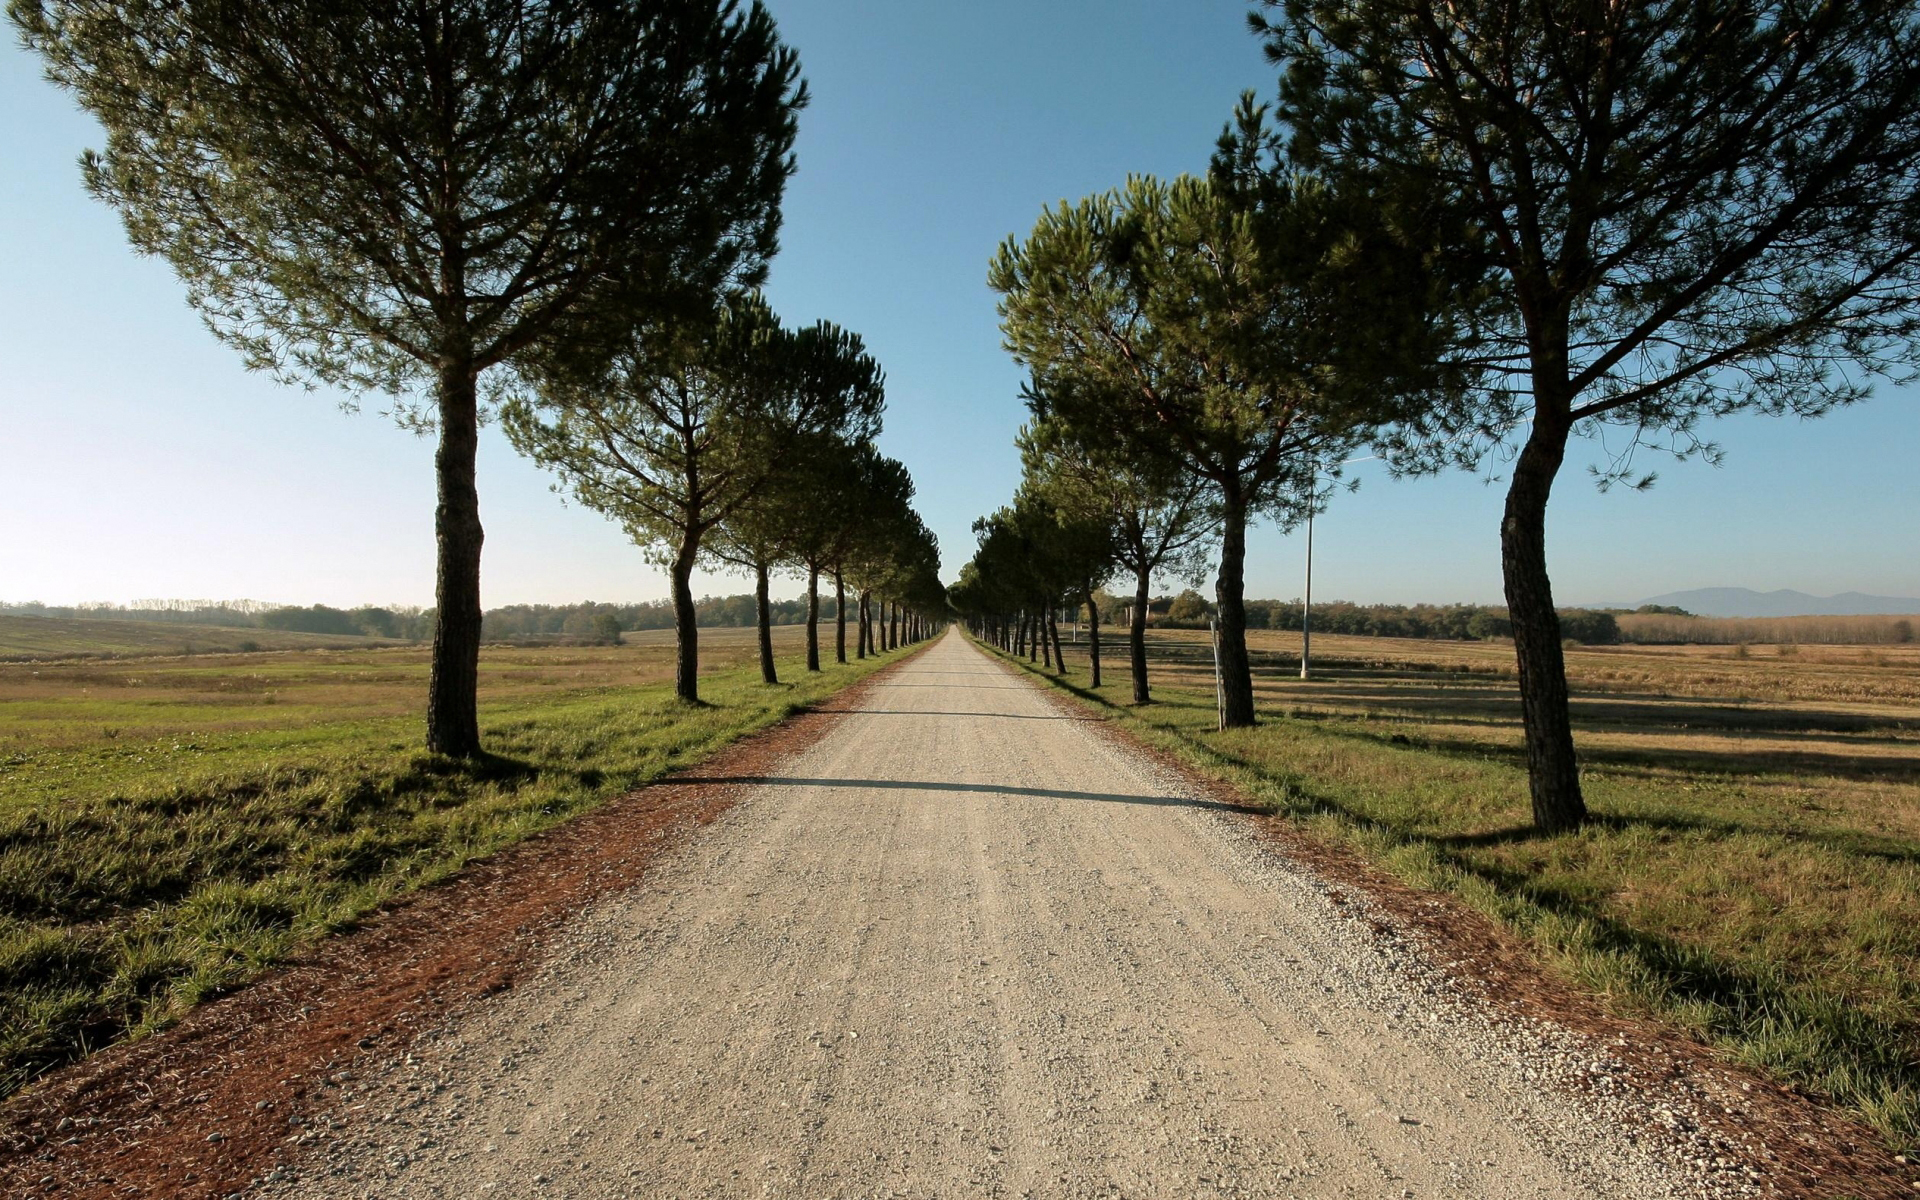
point(1745, 602)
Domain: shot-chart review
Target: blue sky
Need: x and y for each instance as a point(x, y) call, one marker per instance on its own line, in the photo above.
point(141, 461)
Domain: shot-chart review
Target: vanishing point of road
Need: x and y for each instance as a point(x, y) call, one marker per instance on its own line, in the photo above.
point(971, 944)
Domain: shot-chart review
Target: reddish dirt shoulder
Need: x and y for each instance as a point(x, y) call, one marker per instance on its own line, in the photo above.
point(213, 1103)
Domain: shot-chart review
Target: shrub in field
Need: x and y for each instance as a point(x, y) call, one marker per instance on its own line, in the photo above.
point(317, 619)
point(1589, 628)
point(1190, 607)
point(1488, 625)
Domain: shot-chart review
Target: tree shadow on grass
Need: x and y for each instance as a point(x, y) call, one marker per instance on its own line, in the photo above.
point(1736, 761)
point(1852, 843)
point(1751, 1007)
point(429, 771)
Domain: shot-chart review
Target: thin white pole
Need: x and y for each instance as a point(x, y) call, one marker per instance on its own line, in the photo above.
point(1219, 689)
point(1306, 606)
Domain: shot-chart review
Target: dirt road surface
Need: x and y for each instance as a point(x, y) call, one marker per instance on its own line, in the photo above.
point(968, 944)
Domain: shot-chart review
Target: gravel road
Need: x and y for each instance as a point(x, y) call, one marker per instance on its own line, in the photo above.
point(968, 944)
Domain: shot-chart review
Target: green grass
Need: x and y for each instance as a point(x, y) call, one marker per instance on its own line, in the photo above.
point(28, 639)
point(161, 841)
point(1763, 902)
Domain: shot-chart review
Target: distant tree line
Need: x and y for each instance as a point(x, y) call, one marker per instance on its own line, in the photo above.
point(592, 620)
point(588, 621)
point(239, 614)
point(1443, 622)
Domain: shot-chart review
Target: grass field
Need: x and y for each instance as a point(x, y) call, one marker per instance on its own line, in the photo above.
point(1754, 872)
point(34, 639)
point(1789, 631)
point(169, 826)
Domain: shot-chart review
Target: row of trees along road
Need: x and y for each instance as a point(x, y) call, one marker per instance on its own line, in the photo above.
point(1224, 337)
point(1083, 514)
point(1478, 230)
point(739, 441)
point(442, 202)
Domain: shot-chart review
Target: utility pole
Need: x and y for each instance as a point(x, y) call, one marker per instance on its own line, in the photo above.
point(1306, 605)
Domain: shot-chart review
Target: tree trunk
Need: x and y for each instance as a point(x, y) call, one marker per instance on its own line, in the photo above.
point(686, 625)
point(1553, 774)
point(893, 625)
point(1229, 592)
point(763, 612)
point(1046, 642)
point(813, 616)
point(1053, 630)
point(1137, 635)
point(453, 684)
point(839, 617)
point(1093, 633)
point(863, 634)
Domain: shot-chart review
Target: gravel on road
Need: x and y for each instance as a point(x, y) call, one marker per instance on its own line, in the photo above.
point(970, 944)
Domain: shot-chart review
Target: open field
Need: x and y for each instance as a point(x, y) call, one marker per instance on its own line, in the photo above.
point(28, 639)
point(168, 827)
point(1755, 869)
point(1788, 631)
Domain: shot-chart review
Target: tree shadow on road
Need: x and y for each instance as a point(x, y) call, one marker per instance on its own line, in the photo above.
point(991, 789)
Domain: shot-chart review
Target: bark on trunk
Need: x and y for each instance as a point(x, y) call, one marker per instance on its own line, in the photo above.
point(686, 625)
point(1553, 773)
point(1046, 642)
point(864, 633)
point(1053, 631)
point(893, 626)
point(813, 617)
point(839, 617)
point(453, 684)
point(1093, 634)
point(1229, 593)
point(1137, 635)
point(763, 612)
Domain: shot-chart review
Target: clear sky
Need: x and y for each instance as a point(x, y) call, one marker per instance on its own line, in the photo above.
point(138, 460)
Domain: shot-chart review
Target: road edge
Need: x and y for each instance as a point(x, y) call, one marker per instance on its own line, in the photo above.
point(1815, 1150)
point(240, 1084)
